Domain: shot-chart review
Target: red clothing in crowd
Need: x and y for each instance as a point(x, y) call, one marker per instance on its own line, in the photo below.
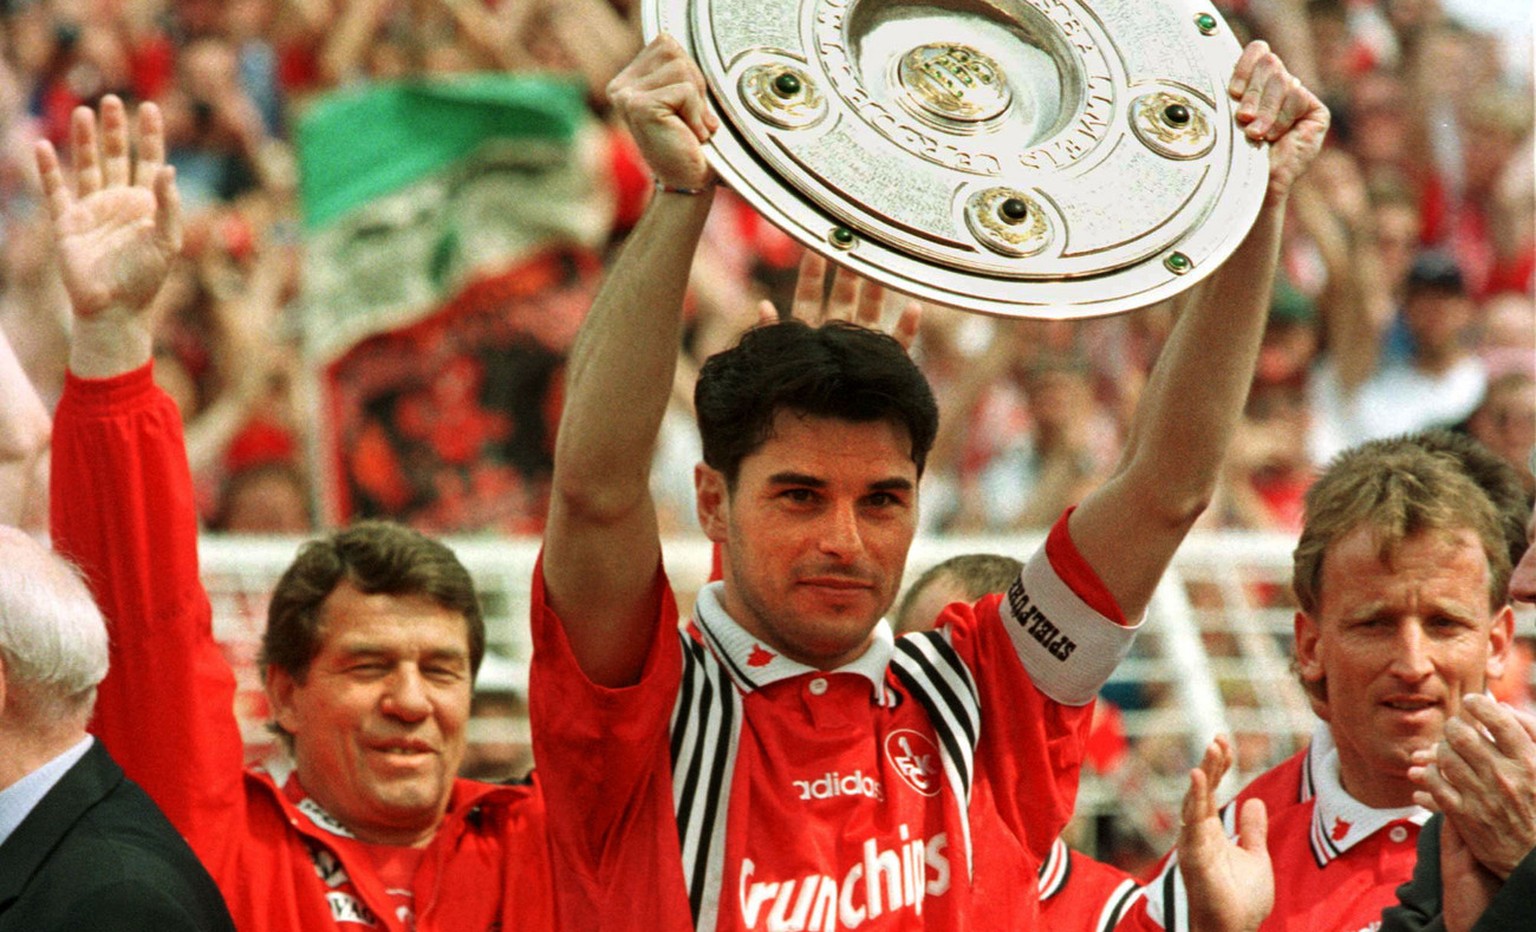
point(1338, 863)
point(122, 509)
point(732, 788)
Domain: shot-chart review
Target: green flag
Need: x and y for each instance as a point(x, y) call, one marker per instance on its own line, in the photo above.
point(410, 191)
point(450, 232)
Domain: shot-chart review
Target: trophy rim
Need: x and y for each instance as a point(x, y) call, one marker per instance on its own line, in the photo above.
point(1191, 257)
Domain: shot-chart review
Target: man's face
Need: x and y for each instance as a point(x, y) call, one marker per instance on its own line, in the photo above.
point(378, 723)
point(815, 533)
point(1399, 645)
point(1437, 317)
point(1506, 420)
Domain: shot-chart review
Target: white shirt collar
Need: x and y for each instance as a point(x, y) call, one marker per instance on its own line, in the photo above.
point(752, 664)
point(19, 799)
point(1339, 821)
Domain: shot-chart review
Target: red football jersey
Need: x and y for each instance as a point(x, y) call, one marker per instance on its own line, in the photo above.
point(1079, 894)
point(733, 788)
point(1338, 862)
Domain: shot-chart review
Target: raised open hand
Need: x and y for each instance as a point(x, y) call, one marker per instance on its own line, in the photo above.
point(1231, 883)
point(853, 298)
point(119, 227)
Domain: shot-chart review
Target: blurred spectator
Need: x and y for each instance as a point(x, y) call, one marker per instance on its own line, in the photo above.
point(1291, 339)
point(1021, 432)
point(268, 499)
point(1514, 687)
point(499, 748)
point(1507, 337)
point(1438, 385)
point(214, 130)
point(1268, 466)
point(1505, 422)
point(25, 429)
point(1267, 471)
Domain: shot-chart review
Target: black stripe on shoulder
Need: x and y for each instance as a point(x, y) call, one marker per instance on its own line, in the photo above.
point(936, 719)
point(695, 762)
point(712, 803)
point(697, 769)
point(1128, 893)
point(737, 673)
point(1170, 899)
point(958, 709)
point(685, 694)
point(951, 658)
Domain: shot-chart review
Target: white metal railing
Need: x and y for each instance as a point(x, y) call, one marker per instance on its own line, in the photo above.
point(1213, 656)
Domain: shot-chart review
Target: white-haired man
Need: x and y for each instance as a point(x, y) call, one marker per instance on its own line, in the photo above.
point(80, 844)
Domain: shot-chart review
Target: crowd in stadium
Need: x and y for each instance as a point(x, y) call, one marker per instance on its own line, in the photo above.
point(1406, 298)
point(1403, 300)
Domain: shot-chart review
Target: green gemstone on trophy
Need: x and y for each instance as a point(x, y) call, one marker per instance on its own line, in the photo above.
point(1176, 114)
point(1206, 22)
point(787, 84)
point(842, 237)
point(1178, 263)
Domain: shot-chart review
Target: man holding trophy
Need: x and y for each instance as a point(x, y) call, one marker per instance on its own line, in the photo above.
point(780, 760)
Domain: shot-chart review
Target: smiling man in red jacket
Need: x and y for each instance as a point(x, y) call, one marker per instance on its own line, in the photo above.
point(374, 634)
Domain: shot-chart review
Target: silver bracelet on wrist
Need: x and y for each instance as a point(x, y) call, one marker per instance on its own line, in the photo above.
point(663, 187)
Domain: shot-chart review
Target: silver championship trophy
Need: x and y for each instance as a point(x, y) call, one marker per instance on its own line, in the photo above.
point(1028, 158)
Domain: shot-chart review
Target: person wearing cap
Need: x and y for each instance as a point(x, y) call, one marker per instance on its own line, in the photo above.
point(1359, 396)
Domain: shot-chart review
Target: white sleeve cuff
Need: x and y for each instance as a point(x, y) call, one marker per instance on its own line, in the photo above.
point(1068, 649)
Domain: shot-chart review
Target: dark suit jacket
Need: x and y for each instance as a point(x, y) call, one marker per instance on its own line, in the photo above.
point(97, 854)
point(1419, 906)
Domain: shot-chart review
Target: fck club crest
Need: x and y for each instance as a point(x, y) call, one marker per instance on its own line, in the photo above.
point(915, 758)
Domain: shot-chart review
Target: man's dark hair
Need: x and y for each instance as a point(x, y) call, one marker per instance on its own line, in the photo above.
point(376, 557)
point(838, 370)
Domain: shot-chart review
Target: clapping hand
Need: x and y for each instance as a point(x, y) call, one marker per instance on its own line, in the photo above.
point(1231, 883)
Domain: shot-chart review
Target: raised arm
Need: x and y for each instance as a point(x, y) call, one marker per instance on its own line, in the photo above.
point(601, 548)
point(118, 230)
point(24, 438)
point(122, 503)
point(1129, 528)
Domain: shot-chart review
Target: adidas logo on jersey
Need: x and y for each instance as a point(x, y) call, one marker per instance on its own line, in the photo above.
point(831, 785)
point(883, 881)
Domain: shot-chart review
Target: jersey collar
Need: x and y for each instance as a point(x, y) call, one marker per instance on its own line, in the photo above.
point(752, 664)
point(1339, 821)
